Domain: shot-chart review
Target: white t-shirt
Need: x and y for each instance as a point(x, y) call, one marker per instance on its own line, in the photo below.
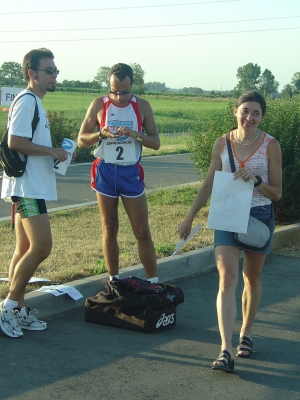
point(38, 180)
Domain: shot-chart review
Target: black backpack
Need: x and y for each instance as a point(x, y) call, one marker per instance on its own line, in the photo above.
point(10, 160)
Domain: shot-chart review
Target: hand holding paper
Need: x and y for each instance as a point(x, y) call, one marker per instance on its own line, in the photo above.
point(230, 203)
point(183, 242)
point(61, 167)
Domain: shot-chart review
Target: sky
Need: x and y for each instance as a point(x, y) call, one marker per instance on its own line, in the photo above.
point(181, 43)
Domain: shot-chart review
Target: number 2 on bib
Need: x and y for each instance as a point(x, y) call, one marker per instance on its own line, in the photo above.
point(119, 151)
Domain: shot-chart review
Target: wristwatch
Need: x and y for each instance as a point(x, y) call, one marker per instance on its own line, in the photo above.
point(139, 139)
point(259, 180)
point(101, 137)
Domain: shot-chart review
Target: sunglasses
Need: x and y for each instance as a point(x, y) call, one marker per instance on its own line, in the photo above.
point(125, 93)
point(50, 70)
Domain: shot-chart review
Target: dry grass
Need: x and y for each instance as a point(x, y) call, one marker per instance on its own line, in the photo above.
point(77, 248)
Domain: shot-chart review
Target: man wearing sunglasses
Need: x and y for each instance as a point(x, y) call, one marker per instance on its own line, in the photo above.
point(30, 192)
point(124, 124)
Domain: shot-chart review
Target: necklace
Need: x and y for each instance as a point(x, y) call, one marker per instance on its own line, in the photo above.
point(246, 144)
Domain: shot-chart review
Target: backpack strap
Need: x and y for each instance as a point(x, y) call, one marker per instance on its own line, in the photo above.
point(35, 119)
point(233, 169)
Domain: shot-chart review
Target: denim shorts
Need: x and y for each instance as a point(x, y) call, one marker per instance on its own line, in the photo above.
point(263, 213)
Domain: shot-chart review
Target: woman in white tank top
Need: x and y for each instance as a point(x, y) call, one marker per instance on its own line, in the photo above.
point(257, 156)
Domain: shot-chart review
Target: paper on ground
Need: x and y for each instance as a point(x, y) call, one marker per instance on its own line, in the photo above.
point(183, 242)
point(61, 167)
point(230, 203)
point(59, 290)
point(31, 280)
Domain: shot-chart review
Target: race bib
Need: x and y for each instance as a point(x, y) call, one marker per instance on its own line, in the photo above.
point(121, 150)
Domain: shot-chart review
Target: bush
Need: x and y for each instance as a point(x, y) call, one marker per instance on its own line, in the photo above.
point(62, 127)
point(282, 121)
point(204, 134)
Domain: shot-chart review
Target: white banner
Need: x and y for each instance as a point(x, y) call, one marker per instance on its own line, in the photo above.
point(8, 94)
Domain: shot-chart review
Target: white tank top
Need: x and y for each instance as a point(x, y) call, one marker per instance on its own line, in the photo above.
point(257, 163)
point(124, 150)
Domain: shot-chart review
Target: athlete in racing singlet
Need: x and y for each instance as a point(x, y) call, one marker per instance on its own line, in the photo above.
point(123, 150)
point(125, 123)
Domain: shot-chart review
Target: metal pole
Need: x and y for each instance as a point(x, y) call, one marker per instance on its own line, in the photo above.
point(13, 216)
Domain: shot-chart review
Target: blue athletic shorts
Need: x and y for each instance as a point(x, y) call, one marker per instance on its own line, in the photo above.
point(117, 180)
point(29, 207)
point(263, 213)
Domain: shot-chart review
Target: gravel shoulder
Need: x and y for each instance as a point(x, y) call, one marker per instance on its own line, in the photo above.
point(293, 250)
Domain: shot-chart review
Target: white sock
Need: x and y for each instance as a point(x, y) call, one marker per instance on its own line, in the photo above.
point(23, 312)
point(111, 277)
point(153, 280)
point(10, 304)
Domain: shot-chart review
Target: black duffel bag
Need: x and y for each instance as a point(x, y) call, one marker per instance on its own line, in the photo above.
point(135, 304)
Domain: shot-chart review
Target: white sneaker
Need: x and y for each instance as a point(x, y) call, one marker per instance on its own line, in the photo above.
point(9, 323)
point(30, 322)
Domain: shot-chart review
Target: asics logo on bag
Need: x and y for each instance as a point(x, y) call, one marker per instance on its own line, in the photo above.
point(165, 320)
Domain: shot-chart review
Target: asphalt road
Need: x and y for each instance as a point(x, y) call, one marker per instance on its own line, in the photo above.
point(160, 171)
point(73, 359)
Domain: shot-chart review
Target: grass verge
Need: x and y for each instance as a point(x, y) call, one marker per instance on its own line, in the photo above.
point(170, 143)
point(77, 247)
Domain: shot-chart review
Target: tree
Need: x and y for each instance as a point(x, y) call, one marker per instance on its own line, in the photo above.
point(156, 87)
point(296, 82)
point(102, 77)
point(248, 76)
point(138, 86)
point(251, 78)
point(287, 91)
point(138, 74)
point(138, 77)
point(267, 83)
point(11, 73)
point(192, 90)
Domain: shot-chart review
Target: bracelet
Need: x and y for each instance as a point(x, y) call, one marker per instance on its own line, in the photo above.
point(259, 180)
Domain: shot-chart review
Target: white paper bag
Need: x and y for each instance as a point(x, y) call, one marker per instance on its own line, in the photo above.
point(230, 203)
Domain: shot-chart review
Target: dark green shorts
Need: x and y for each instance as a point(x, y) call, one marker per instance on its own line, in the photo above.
point(29, 207)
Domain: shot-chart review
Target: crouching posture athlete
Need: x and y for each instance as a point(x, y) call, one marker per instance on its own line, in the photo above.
point(125, 123)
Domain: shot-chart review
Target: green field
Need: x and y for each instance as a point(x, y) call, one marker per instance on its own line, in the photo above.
point(172, 114)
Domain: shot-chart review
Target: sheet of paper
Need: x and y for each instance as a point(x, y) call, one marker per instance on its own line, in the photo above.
point(59, 290)
point(183, 242)
point(31, 280)
point(61, 167)
point(230, 203)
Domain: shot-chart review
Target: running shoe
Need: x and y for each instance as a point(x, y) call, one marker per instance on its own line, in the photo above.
point(9, 322)
point(30, 322)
